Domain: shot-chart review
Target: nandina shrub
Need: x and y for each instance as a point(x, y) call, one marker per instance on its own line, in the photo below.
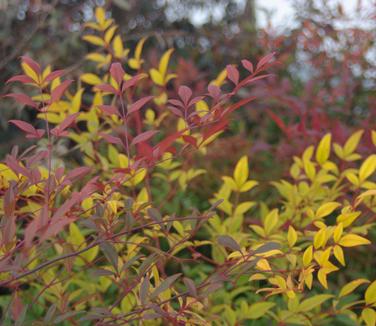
point(99, 225)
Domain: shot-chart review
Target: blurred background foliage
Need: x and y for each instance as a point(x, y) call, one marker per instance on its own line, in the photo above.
point(325, 78)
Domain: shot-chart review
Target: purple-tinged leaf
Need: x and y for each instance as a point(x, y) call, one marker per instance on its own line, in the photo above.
point(229, 242)
point(165, 284)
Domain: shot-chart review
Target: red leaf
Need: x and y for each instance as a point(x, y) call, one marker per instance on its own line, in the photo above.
point(248, 65)
point(33, 65)
point(264, 60)
point(221, 125)
point(77, 173)
point(190, 140)
point(56, 227)
point(144, 136)
point(138, 104)
point(195, 100)
point(161, 147)
point(106, 88)
point(59, 130)
point(22, 98)
point(214, 91)
point(279, 122)
point(64, 208)
point(237, 105)
point(31, 132)
point(185, 93)
point(17, 307)
point(54, 74)
point(176, 111)
point(131, 82)
point(251, 79)
point(58, 92)
point(111, 139)
point(20, 78)
point(117, 72)
point(232, 74)
point(109, 109)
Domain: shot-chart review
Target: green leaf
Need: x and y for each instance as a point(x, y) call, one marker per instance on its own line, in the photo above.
point(313, 302)
point(259, 309)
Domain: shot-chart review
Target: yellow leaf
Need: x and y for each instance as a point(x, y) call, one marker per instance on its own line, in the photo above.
point(353, 240)
point(109, 34)
point(244, 207)
point(113, 205)
point(248, 185)
point(352, 143)
point(30, 72)
point(370, 295)
point(339, 151)
point(326, 209)
point(164, 62)
point(75, 236)
point(117, 45)
point(46, 72)
point(321, 276)
point(96, 57)
point(307, 256)
point(369, 316)
point(367, 168)
point(100, 15)
point(292, 237)
point(135, 63)
point(347, 218)
point(93, 40)
point(271, 221)
point(241, 172)
point(338, 253)
point(76, 101)
point(368, 193)
point(373, 136)
point(91, 79)
point(320, 238)
point(139, 47)
point(308, 280)
point(259, 309)
point(338, 232)
point(352, 178)
point(309, 169)
point(323, 149)
point(220, 78)
point(263, 265)
point(156, 77)
point(350, 287)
